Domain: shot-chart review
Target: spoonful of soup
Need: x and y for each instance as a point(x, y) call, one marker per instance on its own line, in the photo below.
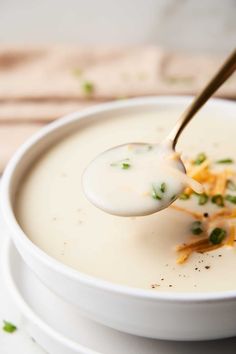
point(138, 179)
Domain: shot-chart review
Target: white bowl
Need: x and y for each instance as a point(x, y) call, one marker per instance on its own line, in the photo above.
point(60, 329)
point(176, 316)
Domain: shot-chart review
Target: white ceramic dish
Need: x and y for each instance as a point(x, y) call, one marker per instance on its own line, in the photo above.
point(59, 329)
point(176, 316)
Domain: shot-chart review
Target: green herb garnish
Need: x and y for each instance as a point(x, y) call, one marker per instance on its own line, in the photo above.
point(225, 161)
point(202, 199)
point(200, 159)
point(142, 76)
point(184, 196)
point(143, 149)
point(218, 200)
point(87, 87)
point(163, 187)
point(217, 236)
point(196, 228)
point(231, 198)
point(231, 185)
point(77, 72)
point(121, 98)
point(178, 80)
point(155, 193)
point(9, 327)
point(125, 165)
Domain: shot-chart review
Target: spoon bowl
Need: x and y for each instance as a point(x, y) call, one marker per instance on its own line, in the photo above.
point(110, 182)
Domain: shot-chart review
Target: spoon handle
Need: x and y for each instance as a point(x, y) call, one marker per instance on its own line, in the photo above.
point(220, 77)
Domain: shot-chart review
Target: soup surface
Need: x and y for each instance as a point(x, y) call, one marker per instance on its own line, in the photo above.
point(136, 251)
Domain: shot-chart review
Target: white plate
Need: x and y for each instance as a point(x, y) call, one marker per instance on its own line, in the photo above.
point(60, 329)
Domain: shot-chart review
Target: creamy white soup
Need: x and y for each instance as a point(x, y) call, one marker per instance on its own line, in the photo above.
point(166, 251)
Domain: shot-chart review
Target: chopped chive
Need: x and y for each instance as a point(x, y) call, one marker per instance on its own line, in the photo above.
point(142, 75)
point(184, 196)
point(231, 185)
point(218, 200)
point(196, 228)
point(9, 327)
point(228, 160)
point(202, 199)
point(173, 198)
point(231, 198)
point(77, 72)
point(217, 235)
point(87, 87)
point(163, 187)
point(125, 165)
point(177, 80)
point(155, 193)
point(121, 98)
point(143, 149)
point(200, 159)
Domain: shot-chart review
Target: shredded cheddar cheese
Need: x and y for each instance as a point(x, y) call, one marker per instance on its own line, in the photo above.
point(196, 215)
point(220, 183)
point(195, 171)
point(221, 221)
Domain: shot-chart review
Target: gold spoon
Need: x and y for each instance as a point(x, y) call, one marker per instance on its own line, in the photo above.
point(226, 70)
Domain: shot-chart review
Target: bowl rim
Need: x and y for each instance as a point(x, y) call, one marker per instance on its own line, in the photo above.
point(17, 233)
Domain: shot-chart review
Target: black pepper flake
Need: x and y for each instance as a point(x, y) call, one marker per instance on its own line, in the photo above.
point(219, 255)
point(170, 286)
point(162, 278)
point(153, 286)
point(205, 215)
point(196, 268)
point(207, 267)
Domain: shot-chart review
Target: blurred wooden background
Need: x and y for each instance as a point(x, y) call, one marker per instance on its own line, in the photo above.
point(40, 84)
